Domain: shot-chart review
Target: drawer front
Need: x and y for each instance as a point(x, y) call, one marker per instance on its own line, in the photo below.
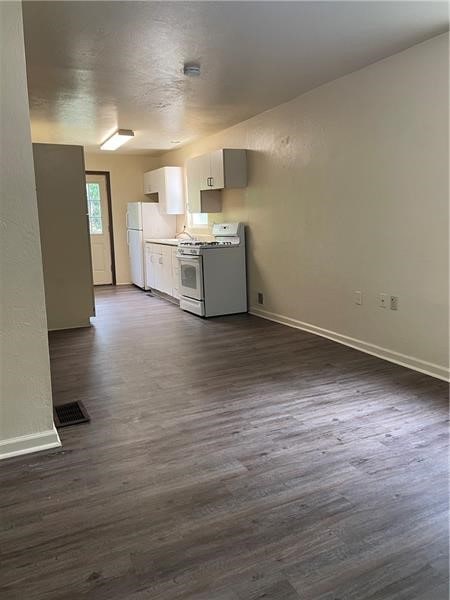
point(194, 306)
point(156, 248)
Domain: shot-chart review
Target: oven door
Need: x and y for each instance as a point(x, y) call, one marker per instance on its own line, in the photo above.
point(191, 277)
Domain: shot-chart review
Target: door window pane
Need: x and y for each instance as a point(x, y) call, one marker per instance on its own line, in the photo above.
point(94, 208)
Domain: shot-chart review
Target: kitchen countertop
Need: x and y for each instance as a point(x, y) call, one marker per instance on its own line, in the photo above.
point(164, 241)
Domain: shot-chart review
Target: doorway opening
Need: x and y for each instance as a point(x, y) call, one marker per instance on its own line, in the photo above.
point(98, 192)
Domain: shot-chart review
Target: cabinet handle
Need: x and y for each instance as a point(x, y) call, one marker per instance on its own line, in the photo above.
point(212, 181)
point(208, 181)
point(160, 260)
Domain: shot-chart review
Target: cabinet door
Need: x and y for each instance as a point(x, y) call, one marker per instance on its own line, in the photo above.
point(162, 200)
point(166, 270)
point(173, 191)
point(175, 274)
point(202, 170)
point(205, 172)
point(148, 182)
point(194, 176)
point(217, 180)
point(155, 180)
point(150, 278)
point(155, 262)
point(157, 184)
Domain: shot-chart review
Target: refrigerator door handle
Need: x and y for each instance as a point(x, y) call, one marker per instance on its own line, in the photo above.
point(128, 238)
point(126, 218)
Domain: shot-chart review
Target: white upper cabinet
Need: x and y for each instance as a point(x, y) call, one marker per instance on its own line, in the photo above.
point(172, 201)
point(217, 170)
point(224, 168)
point(168, 183)
point(195, 174)
point(148, 182)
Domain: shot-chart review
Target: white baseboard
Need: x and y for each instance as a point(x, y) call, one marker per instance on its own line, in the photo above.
point(25, 444)
point(404, 360)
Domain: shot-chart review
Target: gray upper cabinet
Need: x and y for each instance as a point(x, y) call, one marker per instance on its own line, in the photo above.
point(221, 169)
point(64, 231)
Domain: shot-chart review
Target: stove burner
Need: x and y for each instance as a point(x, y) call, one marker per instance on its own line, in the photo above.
point(204, 244)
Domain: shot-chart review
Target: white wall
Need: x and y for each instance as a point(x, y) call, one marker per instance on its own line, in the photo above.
point(26, 421)
point(127, 185)
point(348, 190)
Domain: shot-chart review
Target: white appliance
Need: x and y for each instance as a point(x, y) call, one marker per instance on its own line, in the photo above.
point(144, 221)
point(213, 277)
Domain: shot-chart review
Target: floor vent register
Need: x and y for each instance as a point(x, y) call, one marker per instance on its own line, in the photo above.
point(71, 413)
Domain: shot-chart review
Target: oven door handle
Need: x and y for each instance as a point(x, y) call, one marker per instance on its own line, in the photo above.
point(188, 258)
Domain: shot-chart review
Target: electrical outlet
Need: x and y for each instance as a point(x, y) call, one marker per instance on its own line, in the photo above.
point(394, 302)
point(260, 298)
point(383, 300)
point(358, 298)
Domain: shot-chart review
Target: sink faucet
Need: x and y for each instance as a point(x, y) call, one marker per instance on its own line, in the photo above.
point(185, 233)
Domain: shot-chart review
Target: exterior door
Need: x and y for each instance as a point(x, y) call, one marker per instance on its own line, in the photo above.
point(98, 213)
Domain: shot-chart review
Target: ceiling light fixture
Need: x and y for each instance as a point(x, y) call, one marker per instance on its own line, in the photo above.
point(191, 69)
point(117, 139)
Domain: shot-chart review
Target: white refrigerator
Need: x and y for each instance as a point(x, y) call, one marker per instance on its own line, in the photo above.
point(145, 221)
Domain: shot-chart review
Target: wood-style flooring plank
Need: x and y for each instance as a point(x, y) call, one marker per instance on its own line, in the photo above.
point(228, 459)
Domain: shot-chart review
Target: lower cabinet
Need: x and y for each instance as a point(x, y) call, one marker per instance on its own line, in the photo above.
point(161, 269)
point(175, 275)
point(151, 261)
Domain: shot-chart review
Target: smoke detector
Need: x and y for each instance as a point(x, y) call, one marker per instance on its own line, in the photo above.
point(191, 69)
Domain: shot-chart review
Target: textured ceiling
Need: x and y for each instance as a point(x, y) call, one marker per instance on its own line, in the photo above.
point(96, 66)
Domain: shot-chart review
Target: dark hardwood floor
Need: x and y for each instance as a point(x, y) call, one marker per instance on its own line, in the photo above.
point(228, 459)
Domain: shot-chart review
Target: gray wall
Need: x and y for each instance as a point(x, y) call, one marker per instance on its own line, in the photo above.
point(66, 255)
point(26, 422)
point(348, 190)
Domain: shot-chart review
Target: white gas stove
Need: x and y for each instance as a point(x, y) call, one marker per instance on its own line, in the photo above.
point(225, 235)
point(212, 273)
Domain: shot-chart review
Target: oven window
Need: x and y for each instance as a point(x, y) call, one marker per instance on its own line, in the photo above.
point(189, 277)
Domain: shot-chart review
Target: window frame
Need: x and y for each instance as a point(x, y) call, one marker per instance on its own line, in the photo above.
point(194, 225)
